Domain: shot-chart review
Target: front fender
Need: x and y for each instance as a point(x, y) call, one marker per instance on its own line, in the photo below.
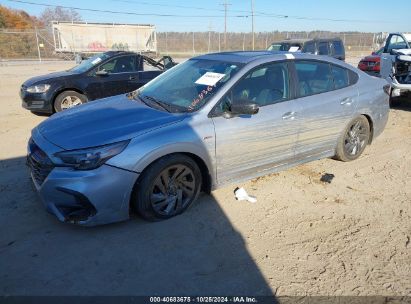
point(183, 137)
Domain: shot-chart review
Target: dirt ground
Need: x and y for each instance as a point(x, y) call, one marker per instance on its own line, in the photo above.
point(302, 237)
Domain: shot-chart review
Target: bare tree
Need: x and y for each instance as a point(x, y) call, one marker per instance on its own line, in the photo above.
point(59, 14)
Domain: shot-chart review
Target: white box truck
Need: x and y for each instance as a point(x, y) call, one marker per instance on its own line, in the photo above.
point(89, 38)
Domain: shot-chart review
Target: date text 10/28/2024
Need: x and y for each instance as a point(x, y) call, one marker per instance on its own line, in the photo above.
point(203, 299)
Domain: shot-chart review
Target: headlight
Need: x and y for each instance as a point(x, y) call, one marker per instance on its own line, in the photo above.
point(91, 158)
point(40, 88)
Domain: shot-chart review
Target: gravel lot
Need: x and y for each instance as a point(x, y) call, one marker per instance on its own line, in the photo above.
point(302, 237)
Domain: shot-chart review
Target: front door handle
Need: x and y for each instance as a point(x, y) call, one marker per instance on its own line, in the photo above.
point(346, 101)
point(133, 77)
point(289, 115)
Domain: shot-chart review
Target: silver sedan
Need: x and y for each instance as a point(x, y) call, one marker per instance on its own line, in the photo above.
point(212, 120)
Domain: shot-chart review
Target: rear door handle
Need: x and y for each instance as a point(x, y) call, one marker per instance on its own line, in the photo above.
point(346, 101)
point(133, 77)
point(289, 115)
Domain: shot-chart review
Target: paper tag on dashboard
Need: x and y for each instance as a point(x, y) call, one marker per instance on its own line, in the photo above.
point(209, 78)
point(95, 61)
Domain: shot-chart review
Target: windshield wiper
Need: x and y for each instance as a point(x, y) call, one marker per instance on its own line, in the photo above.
point(161, 104)
point(134, 95)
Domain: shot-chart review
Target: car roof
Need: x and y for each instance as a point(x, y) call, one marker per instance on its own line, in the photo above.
point(304, 40)
point(115, 53)
point(292, 41)
point(249, 56)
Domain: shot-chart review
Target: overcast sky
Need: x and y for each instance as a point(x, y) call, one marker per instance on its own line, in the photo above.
point(348, 15)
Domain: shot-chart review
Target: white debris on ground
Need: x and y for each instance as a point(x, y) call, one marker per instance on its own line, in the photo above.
point(242, 195)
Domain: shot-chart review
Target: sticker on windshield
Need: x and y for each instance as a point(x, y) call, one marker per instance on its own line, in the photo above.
point(95, 61)
point(209, 78)
point(294, 49)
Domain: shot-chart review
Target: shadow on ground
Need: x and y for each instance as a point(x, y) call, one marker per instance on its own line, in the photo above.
point(197, 253)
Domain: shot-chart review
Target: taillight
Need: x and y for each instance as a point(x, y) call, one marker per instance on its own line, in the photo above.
point(387, 89)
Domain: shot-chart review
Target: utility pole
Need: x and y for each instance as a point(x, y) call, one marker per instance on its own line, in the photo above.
point(210, 28)
point(225, 4)
point(252, 20)
point(38, 46)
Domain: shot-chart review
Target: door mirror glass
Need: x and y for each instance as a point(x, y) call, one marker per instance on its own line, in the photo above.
point(102, 73)
point(244, 107)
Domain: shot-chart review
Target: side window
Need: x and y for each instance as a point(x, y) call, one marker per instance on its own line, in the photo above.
point(396, 42)
point(340, 75)
point(353, 77)
point(323, 48)
point(313, 78)
point(337, 48)
point(263, 86)
point(122, 64)
point(309, 47)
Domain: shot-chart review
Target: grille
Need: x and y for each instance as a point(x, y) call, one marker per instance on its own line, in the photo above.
point(39, 163)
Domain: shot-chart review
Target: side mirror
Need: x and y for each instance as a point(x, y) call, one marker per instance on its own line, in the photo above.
point(102, 73)
point(243, 107)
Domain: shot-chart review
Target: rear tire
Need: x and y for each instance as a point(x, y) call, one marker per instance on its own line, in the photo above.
point(68, 99)
point(167, 187)
point(354, 139)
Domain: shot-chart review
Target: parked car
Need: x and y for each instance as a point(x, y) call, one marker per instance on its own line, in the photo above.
point(288, 45)
point(106, 74)
point(333, 47)
point(371, 64)
point(396, 63)
point(212, 120)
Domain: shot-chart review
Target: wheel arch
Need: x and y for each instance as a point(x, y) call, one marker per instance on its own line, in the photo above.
point(62, 90)
point(204, 166)
point(207, 180)
point(371, 123)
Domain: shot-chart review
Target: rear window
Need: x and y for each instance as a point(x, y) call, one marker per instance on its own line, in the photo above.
point(323, 48)
point(313, 77)
point(353, 77)
point(341, 78)
point(337, 48)
point(309, 47)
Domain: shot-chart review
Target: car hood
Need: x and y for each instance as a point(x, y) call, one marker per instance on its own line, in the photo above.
point(103, 122)
point(47, 78)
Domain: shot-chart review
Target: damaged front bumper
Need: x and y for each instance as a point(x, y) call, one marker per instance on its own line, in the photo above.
point(88, 198)
point(401, 73)
point(399, 89)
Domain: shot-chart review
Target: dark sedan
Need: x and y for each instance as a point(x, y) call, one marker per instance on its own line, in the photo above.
point(103, 75)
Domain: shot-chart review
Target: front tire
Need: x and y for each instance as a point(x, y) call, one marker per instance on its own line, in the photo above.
point(353, 141)
point(167, 187)
point(68, 99)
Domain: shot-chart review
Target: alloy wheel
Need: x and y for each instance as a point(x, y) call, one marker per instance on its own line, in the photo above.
point(70, 101)
point(356, 138)
point(172, 190)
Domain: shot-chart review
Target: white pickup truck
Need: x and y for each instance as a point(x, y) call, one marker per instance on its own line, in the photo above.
point(396, 63)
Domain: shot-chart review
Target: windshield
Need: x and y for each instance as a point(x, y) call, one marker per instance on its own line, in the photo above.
point(189, 85)
point(279, 47)
point(87, 64)
point(285, 47)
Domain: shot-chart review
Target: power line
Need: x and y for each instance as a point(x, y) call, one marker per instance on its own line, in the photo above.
point(248, 13)
point(123, 12)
